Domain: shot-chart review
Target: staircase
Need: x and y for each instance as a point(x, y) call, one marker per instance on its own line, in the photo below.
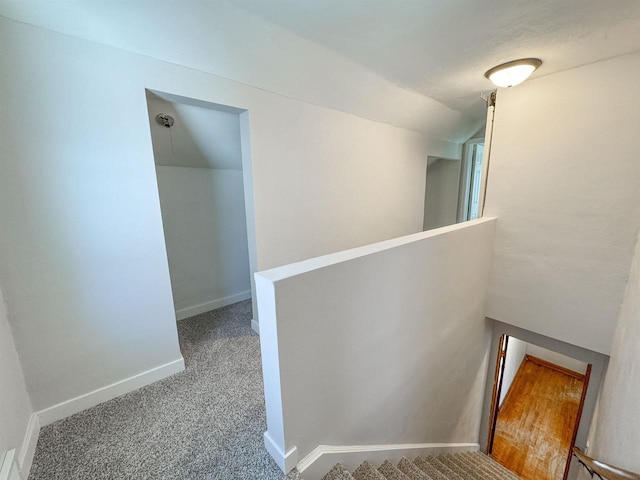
point(457, 466)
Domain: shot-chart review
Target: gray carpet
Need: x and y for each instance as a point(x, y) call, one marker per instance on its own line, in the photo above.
point(204, 423)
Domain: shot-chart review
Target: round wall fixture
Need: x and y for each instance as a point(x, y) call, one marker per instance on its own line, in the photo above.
point(513, 73)
point(165, 120)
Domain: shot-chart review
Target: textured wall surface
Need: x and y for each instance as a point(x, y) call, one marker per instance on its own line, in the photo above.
point(615, 439)
point(565, 182)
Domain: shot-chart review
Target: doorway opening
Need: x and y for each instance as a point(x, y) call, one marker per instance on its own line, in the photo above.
point(441, 192)
point(536, 407)
point(203, 171)
point(454, 186)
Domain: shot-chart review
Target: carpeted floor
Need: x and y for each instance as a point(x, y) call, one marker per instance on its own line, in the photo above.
point(204, 423)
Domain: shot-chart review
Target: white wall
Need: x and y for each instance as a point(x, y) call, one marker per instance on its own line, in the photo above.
point(15, 404)
point(557, 358)
point(366, 346)
point(441, 193)
point(615, 438)
point(83, 258)
point(206, 236)
point(516, 350)
point(565, 182)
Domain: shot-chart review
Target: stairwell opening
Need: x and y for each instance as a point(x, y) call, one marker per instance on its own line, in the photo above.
point(539, 402)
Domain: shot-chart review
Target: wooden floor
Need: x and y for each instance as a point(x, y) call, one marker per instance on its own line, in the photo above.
point(536, 421)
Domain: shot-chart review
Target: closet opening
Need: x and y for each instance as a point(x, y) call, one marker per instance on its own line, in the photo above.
point(203, 170)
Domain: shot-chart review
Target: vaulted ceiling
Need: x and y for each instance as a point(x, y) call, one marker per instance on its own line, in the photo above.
point(437, 48)
point(441, 49)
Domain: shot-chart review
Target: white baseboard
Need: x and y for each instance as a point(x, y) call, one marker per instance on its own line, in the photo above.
point(255, 325)
point(212, 305)
point(28, 448)
point(82, 402)
point(286, 461)
point(315, 465)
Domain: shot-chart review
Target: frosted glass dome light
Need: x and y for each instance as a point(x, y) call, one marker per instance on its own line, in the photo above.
point(513, 73)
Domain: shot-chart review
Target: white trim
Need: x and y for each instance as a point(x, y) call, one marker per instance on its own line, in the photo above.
point(293, 269)
point(249, 204)
point(286, 461)
point(28, 448)
point(465, 177)
point(82, 402)
point(488, 139)
point(212, 305)
point(322, 458)
point(255, 325)
point(8, 469)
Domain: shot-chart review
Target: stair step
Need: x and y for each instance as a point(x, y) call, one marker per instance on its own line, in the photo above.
point(484, 471)
point(426, 467)
point(366, 471)
point(293, 475)
point(411, 470)
point(501, 472)
point(391, 472)
point(442, 468)
point(460, 469)
point(456, 466)
point(338, 472)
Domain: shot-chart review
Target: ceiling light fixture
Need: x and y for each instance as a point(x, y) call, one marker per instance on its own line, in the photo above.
point(513, 73)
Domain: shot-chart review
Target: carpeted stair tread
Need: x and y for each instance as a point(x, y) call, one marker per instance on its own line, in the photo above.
point(479, 469)
point(442, 467)
point(484, 463)
point(461, 470)
point(391, 472)
point(407, 467)
point(338, 472)
point(366, 471)
point(501, 472)
point(293, 475)
point(429, 469)
point(451, 466)
point(482, 470)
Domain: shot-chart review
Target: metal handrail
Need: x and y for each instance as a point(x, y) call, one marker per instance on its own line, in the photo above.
point(603, 470)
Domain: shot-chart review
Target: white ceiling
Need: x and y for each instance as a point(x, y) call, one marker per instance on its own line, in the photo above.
point(437, 48)
point(441, 48)
point(200, 137)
